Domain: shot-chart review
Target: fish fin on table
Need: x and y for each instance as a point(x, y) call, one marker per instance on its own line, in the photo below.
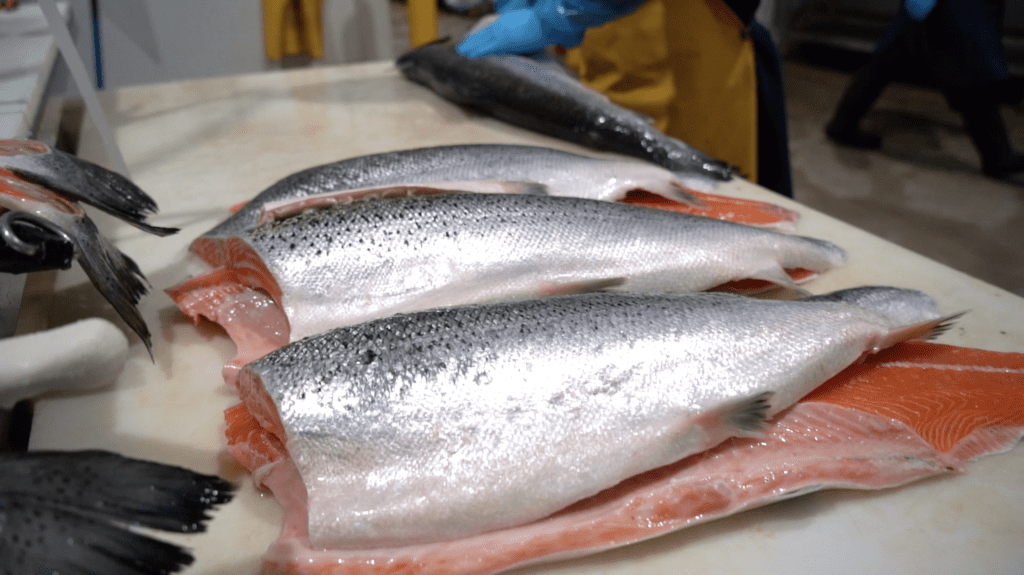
point(81, 180)
point(116, 276)
point(109, 486)
point(920, 331)
point(67, 512)
point(51, 540)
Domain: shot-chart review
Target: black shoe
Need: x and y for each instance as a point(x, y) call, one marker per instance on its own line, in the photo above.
point(985, 126)
point(1005, 167)
point(852, 138)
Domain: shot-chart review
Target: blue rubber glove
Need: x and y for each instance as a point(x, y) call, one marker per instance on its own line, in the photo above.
point(524, 27)
point(919, 9)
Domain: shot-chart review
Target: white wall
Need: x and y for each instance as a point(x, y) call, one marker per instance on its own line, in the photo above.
point(146, 41)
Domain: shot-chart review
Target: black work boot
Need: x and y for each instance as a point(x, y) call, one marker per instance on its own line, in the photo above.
point(985, 126)
point(865, 87)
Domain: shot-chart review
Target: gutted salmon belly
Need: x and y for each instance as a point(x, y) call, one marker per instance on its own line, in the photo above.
point(451, 423)
point(913, 411)
point(346, 263)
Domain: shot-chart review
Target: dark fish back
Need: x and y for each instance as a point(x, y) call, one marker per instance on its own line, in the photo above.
point(523, 93)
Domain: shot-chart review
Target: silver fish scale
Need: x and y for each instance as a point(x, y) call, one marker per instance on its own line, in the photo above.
point(346, 263)
point(504, 162)
point(449, 422)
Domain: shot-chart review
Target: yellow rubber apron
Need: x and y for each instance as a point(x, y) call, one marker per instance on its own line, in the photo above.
point(689, 65)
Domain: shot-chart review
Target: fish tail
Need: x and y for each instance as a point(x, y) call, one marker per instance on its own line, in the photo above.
point(84, 181)
point(114, 274)
point(48, 540)
point(68, 512)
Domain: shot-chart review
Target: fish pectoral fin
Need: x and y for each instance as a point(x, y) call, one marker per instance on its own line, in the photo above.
point(748, 415)
point(775, 275)
point(679, 193)
point(918, 331)
point(237, 207)
point(586, 286)
point(533, 189)
point(744, 416)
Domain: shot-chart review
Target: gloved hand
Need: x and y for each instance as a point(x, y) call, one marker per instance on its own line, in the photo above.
point(919, 9)
point(526, 26)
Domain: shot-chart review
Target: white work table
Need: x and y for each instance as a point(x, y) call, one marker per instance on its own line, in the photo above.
point(200, 147)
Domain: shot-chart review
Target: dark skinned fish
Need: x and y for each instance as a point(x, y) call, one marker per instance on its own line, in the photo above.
point(522, 92)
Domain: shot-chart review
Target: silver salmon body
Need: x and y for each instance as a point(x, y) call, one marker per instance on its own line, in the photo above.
point(560, 173)
point(347, 263)
point(452, 422)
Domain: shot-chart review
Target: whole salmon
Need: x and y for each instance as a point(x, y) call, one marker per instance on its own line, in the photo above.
point(452, 422)
point(342, 264)
point(522, 92)
point(552, 171)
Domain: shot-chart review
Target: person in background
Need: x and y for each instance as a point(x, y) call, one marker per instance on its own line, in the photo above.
point(703, 70)
point(956, 45)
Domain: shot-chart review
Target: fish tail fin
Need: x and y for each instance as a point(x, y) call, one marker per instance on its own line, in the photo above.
point(49, 540)
point(116, 276)
point(68, 512)
point(84, 181)
point(920, 331)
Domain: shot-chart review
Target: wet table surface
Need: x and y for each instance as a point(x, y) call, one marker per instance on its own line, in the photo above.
point(202, 146)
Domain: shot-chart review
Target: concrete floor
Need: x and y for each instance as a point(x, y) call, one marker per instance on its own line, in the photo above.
point(923, 190)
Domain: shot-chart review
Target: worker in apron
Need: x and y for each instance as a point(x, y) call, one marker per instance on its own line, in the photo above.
point(703, 70)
